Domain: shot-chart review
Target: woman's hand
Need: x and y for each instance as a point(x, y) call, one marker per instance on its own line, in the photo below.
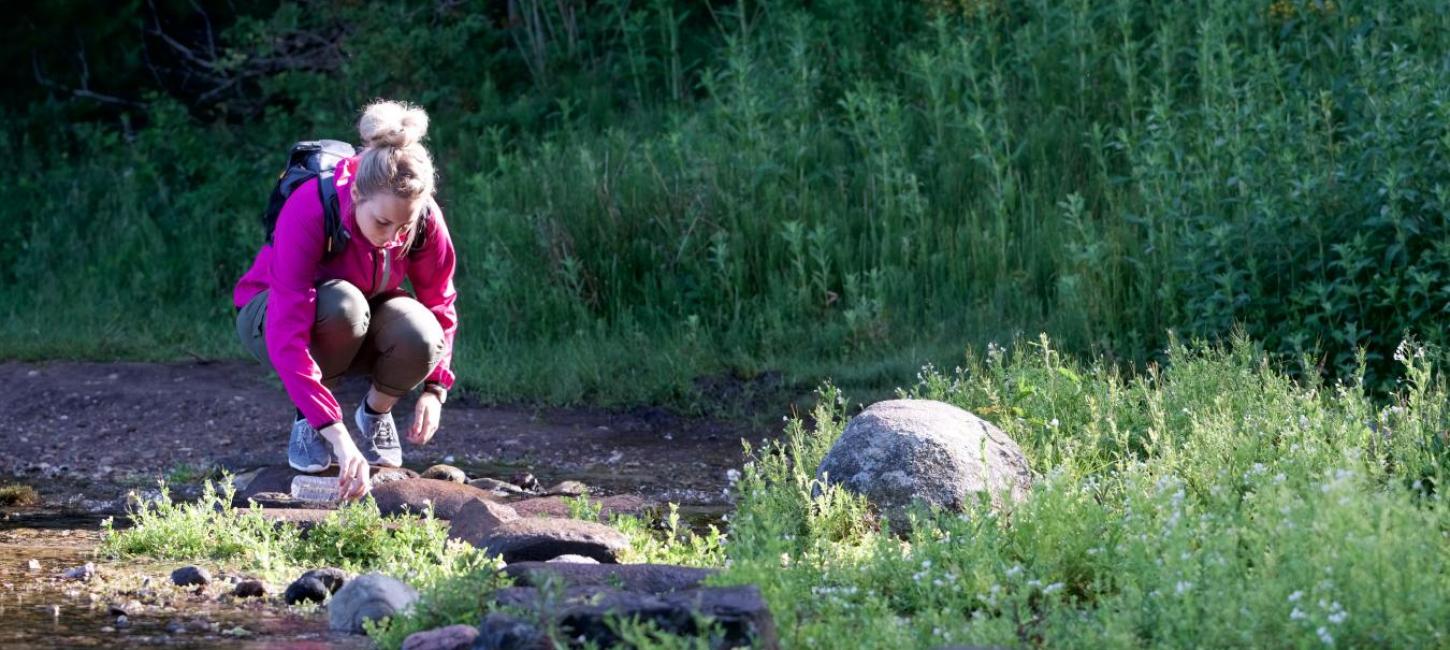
point(425, 419)
point(353, 475)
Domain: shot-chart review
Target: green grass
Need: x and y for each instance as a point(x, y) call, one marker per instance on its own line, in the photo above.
point(844, 190)
point(1215, 500)
point(18, 495)
point(1212, 502)
point(355, 538)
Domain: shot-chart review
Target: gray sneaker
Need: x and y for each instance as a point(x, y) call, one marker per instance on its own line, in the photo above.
point(379, 438)
point(307, 450)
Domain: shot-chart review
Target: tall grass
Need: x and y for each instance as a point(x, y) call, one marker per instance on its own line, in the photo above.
point(840, 189)
point(1217, 502)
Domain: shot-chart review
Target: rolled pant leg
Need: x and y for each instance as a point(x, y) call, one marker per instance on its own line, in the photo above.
point(343, 318)
point(407, 342)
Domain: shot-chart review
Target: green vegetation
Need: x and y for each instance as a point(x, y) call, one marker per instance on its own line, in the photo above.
point(355, 538)
point(18, 495)
point(646, 193)
point(1212, 503)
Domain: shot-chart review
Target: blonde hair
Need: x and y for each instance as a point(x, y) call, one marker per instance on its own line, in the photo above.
point(393, 158)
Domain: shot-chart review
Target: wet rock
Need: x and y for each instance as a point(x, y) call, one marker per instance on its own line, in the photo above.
point(306, 589)
point(453, 637)
point(567, 489)
point(499, 631)
point(83, 573)
point(525, 480)
point(442, 472)
point(572, 559)
point(122, 622)
point(367, 597)
point(250, 589)
point(524, 540)
point(898, 452)
point(175, 627)
point(283, 501)
point(555, 506)
point(190, 576)
point(415, 495)
point(647, 578)
point(479, 518)
point(585, 613)
point(497, 487)
point(331, 577)
point(125, 608)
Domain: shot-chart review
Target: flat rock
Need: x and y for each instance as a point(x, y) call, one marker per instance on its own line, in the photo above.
point(566, 489)
point(367, 597)
point(479, 518)
point(453, 637)
point(530, 539)
point(499, 488)
point(499, 631)
point(585, 613)
point(445, 473)
point(277, 479)
point(555, 506)
point(648, 578)
point(414, 496)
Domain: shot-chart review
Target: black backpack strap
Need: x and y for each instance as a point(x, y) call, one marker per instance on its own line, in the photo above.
point(336, 236)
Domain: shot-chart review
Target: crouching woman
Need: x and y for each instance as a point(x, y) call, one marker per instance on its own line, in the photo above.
point(315, 315)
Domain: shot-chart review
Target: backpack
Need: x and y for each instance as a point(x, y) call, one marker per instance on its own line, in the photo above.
point(316, 159)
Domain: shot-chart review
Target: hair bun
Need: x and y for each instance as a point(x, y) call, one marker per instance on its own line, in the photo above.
point(392, 124)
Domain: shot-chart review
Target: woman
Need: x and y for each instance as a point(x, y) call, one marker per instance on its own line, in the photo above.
point(316, 316)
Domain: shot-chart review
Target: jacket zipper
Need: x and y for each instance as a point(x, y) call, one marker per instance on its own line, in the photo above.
point(387, 270)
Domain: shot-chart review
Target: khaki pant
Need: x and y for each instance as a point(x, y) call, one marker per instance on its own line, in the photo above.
point(393, 337)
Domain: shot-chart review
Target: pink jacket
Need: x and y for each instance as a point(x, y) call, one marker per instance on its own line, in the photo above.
point(291, 267)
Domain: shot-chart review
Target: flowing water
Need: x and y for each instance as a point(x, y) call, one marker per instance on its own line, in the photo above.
point(40, 610)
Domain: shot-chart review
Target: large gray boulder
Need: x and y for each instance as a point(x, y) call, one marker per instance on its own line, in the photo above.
point(367, 597)
point(899, 451)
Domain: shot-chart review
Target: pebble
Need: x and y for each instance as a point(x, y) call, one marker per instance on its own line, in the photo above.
point(445, 473)
point(122, 622)
point(250, 589)
point(83, 572)
point(525, 480)
point(332, 578)
point(33, 565)
point(188, 576)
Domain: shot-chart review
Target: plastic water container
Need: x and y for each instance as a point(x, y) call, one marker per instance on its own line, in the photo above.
point(315, 488)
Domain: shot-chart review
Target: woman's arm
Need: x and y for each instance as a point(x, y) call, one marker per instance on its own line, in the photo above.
point(292, 306)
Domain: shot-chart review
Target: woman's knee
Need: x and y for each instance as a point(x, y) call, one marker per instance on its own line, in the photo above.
point(342, 310)
point(410, 344)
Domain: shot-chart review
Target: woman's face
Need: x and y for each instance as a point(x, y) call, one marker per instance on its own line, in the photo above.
point(382, 217)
